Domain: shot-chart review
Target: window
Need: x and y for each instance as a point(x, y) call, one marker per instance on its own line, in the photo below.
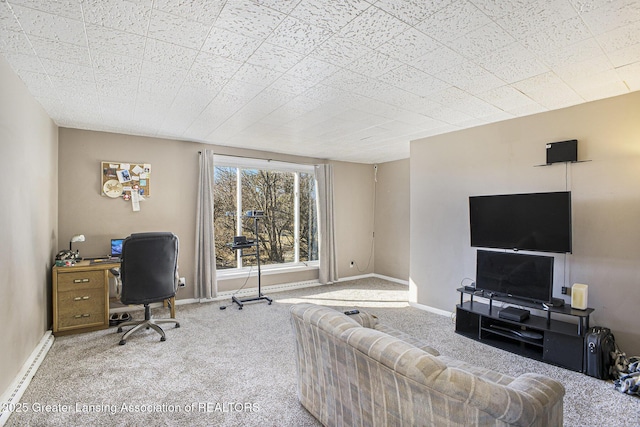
point(288, 233)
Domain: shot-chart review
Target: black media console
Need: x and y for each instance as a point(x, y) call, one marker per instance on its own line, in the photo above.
point(541, 338)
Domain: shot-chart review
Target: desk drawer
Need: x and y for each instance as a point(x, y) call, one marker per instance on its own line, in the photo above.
point(84, 307)
point(80, 280)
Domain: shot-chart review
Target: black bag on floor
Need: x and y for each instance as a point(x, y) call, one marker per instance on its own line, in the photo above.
point(599, 345)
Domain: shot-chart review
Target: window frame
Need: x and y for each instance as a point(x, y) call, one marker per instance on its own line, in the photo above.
point(240, 163)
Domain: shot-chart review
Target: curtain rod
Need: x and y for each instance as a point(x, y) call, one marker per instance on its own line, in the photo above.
point(268, 160)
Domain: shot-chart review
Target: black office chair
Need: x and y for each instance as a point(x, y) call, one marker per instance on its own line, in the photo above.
point(148, 273)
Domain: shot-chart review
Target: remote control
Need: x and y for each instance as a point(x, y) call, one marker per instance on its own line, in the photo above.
point(350, 312)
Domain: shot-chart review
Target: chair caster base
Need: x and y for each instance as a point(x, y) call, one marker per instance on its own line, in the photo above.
point(122, 342)
point(119, 330)
point(163, 338)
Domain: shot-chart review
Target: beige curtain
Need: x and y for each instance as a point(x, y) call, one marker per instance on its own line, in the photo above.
point(326, 227)
point(205, 274)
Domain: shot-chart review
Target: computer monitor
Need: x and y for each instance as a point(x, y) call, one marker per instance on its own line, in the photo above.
point(116, 247)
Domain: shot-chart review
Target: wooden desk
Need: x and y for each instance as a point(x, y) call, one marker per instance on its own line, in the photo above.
point(81, 297)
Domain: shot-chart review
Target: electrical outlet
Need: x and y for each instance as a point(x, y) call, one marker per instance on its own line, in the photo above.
point(182, 282)
point(351, 264)
point(564, 290)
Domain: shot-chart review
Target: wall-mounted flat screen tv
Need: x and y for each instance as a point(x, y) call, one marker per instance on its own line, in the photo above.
point(521, 276)
point(533, 221)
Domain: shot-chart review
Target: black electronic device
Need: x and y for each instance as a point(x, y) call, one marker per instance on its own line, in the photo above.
point(116, 248)
point(533, 221)
point(506, 274)
point(351, 312)
point(562, 151)
point(513, 313)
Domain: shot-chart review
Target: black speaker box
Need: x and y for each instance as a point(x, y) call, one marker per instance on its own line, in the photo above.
point(563, 151)
point(513, 313)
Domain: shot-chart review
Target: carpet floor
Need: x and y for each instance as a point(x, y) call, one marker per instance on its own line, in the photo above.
point(237, 367)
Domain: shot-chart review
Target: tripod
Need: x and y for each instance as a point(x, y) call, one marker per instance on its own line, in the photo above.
point(260, 297)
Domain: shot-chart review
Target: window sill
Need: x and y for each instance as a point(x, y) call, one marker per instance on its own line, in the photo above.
point(266, 270)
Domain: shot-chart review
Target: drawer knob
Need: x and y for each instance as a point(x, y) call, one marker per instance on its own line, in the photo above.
point(81, 298)
point(80, 280)
point(78, 316)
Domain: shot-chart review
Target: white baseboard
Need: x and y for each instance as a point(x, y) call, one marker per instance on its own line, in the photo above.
point(391, 279)
point(350, 278)
point(15, 391)
point(431, 309)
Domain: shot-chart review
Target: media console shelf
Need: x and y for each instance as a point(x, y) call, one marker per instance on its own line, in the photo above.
point(541, 338)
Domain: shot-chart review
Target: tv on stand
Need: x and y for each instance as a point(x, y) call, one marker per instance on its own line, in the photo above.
point(519, 276)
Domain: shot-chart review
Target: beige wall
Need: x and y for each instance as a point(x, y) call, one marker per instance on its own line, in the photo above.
point(171, 206)
point(28, 149)
point(392, 220)
point(354, 206)
point(501, 158)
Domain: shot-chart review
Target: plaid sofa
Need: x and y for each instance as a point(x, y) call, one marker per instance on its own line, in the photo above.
point(355, 371)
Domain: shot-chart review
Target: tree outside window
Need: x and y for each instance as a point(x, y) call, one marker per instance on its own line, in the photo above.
point(288, 231)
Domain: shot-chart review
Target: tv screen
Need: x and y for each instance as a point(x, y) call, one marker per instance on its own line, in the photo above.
point(522, 276)
point(534, 221)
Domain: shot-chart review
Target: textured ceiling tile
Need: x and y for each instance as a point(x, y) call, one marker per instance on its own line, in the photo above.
point(506, 98)
point(70, 71)
point(169, 54)
point(499, 8)
point(118, 14)
point(242, 89)
point(284, 6)
point(476, 107)
point(298, 36)
point(568, 32)
point(292, 85)
point(470, 77)
point(597, 85)
point(625, 56)
point(340, 51)
point(8, 22)
point(329, 14)
point(620, 38)
point(256, 75)
point(200, 11)
point(618, 13)
point(409, 45)
point(574, 53)
point(49, 26)
point(583, 70)
point(482, 41)
point(117, 86)
point(535, 17)
point(453, 21)
point(438, 60)
point(230, 45)
point(39, 84)
point(115, 41)
point(246, 18)
point(313, 70)
point(549, 91)
point(274, 57)
point(47, 48)
point(374, 64)
point(413, 80)
point(513, 63)
point(108, 62)
point(177, 30)
point(22, 62)
point(412, 11)
point(171, 75)
point(373, 28)
point(68, 8)
point(16, 42)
